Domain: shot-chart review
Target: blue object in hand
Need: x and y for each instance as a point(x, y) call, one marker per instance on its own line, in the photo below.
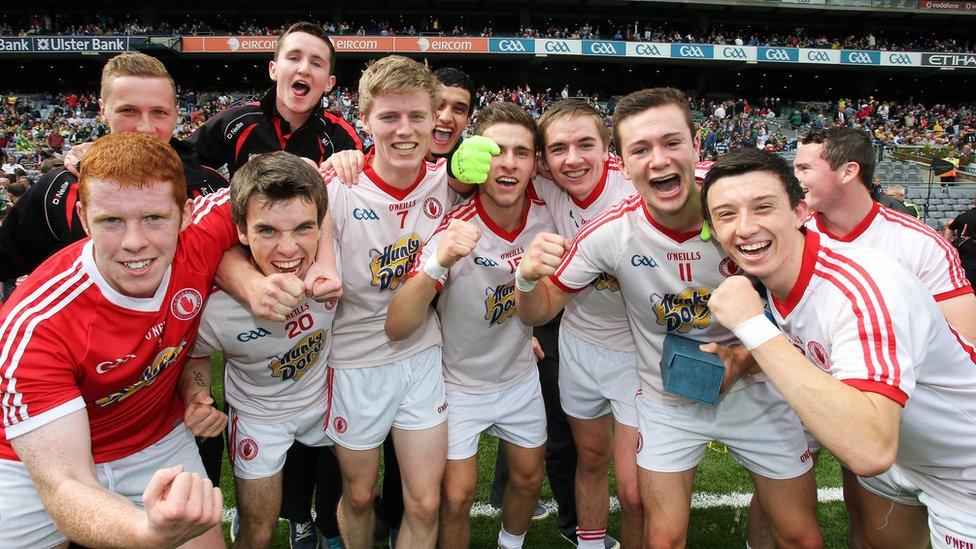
point(689, 372)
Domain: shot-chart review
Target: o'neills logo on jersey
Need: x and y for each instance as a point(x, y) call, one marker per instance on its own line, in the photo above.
point(294, 363)
point(683, 312)
point(500, 303)
point(186, 303)
point(163, 360)
point(391, 264)
point(607, 282)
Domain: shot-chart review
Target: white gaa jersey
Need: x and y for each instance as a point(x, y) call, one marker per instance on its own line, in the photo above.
point(665, 277)
point(597, 314)
point(380, 229)
point(868, 322)
point(913, 244)
point(486, 348)
point(275, 370)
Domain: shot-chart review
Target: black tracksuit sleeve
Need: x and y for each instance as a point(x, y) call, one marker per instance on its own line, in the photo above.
point(26, 237)
point(209, 143)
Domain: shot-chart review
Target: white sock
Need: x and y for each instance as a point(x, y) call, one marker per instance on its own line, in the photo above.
point(590, 539)
point(509, 541)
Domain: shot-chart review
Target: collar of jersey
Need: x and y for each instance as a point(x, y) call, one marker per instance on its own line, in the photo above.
point(142, 304)
point(490, 223)
point(858, 229)
point(677, 236)
point(398, 194)
point(597, 190)
point(811, 249)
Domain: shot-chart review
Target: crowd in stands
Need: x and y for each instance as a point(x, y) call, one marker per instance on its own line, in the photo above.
point(633, 30)
point(33, 129)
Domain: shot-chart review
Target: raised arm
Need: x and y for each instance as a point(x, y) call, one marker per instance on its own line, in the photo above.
point(179, 506)
point(537, 298)
point(860, 428)
point(409, 306)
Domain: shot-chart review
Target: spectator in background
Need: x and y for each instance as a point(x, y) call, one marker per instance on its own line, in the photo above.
point(960, 232)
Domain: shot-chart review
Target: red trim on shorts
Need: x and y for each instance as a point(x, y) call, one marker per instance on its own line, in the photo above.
point(329, 387)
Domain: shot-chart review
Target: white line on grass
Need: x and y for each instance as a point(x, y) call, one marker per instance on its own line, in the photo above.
point(699, 500)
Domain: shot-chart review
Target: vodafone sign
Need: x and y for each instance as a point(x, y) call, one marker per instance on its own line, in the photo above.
point(259, 44)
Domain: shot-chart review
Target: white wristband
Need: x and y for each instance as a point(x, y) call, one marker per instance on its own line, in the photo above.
point(523, 284)
point(755, 331)
point(434, 269)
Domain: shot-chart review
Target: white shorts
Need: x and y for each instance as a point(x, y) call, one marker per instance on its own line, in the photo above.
point(24, 523)
point(516, 415)
point(594, 380)
point(365, 403)
point(259, 448)
point(755, 424)
point(948, 526)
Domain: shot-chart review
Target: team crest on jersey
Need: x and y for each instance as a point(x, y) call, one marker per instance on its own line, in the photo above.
point(295, 363)
point(163, 360)
point(818, 355)
point(432, 208)
point(607, 282)
point(340, 424)
point(728, 268)
point(499, 303)
point(247, 449)
point(186, 303)
point(683, 312)
point(391, 264)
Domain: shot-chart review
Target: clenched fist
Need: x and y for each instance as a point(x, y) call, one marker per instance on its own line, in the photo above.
point(458, 241)
point(543, 256)
point(276, 296)
point(735, 301)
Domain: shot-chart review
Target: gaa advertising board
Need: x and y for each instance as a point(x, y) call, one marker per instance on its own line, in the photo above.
point(544, 47)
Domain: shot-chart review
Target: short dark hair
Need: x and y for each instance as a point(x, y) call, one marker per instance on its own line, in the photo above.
point(573, 108)
point(316, 31)
point(642, 100)
point(275, 177)
point(503, 112)
point(842, 145)
point(456, 78)
point(17, 189)
point(749, 160)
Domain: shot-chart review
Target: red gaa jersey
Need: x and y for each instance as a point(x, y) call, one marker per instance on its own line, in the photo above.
point(68, 341)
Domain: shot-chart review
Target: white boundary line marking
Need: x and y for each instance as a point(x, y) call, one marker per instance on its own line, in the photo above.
point(699, 500)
